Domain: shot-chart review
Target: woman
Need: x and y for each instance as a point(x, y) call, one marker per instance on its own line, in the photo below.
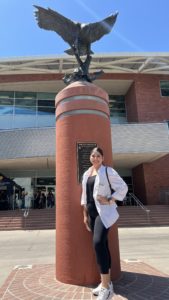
point(99, 210)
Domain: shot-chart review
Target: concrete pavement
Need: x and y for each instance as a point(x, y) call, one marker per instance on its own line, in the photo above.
point(148, 244)
point(25, 247)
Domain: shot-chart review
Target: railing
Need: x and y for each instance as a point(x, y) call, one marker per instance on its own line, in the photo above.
point(26, 212)
point(140, 204)
point(25, 215)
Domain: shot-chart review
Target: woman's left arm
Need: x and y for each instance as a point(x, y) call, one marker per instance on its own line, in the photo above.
point(118, 185)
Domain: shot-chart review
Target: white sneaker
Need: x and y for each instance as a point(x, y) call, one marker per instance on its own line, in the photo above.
point(96, 291)
point(105, 294)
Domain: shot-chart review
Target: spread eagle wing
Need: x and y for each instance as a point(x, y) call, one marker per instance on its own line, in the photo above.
point(94, 31)
point(52, 20)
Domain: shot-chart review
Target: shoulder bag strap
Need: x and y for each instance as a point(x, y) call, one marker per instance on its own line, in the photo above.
point(109, 181)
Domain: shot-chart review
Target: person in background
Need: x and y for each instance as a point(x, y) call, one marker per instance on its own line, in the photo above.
point(42, 200)
point(28, 199)
point(22, 197)
point(100, 213)
point(50, 199)
point(37, 199)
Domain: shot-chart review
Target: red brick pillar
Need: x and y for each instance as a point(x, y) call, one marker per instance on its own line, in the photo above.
point(82, 116)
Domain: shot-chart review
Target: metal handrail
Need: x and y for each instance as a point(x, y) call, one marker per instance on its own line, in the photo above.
point(26, 212)
point(139, 203)
point(25, 215)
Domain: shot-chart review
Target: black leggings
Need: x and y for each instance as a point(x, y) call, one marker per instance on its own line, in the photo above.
point(100, 242)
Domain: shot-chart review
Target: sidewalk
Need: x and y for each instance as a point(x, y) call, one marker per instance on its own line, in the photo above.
point(28, 258)
point(139, 281)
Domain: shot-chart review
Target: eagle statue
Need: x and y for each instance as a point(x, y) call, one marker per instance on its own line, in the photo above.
point(79, 36)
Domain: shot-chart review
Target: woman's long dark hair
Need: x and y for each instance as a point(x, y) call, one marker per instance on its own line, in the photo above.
point(98, 149)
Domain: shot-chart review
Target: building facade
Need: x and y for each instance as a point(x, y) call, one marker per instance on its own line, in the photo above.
point(138, 88)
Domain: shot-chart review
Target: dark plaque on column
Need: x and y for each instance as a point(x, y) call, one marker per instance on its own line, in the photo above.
point(83, 154)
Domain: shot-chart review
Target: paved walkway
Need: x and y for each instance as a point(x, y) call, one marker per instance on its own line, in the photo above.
point(27, 270)
point(139, 281)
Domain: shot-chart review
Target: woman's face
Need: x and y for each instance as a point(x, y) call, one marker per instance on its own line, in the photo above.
point(96, 159)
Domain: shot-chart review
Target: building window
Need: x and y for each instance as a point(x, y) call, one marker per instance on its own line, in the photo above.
point(6, 95)
point(6, 103)
point(117, 108)
point(25, 95)
point(25, 106)
point(46, 107)
point(26, 109)
point(164, 87)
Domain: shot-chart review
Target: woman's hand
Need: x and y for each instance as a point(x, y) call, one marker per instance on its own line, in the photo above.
point(86, 222)
point(102, 200)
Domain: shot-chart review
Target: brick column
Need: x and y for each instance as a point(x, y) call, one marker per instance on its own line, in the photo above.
point(82, 116)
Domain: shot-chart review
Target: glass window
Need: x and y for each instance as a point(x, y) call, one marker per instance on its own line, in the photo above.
point(6, 101)
point(6, 110)
point(46, 110)
point(117, 105)
point(164, 86)
point(46, 181)
point(46, 107)
point(21, 110)
point(46, 96)
point(25, 95)
point(46, 103)
point(6, 95)
point(25, 102)
point(27, 108)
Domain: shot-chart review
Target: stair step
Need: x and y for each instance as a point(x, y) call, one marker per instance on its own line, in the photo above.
point(135, 216)
point(45, 218)
point(37, 219)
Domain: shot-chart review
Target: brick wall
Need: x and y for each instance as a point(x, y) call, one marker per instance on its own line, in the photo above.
point(139, 183)
point(156, 178)
point(29, 77)
point(151, 105)
point(131, 104)
point(144, 102)
point(150, 179)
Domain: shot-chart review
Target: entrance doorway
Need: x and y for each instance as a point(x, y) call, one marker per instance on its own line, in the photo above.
point(44, 196)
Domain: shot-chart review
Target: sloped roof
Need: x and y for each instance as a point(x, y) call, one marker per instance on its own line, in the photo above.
point(146, 63)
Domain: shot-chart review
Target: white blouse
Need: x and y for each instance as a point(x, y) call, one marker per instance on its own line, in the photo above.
point(108, 213)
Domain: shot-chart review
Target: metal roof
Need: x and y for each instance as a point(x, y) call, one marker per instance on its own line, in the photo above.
point(28, 142)
point(134, 63)
point(32, 148)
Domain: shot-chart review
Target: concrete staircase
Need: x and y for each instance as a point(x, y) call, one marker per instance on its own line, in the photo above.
point(134, 216)
point(36, 219)
point(130, 216)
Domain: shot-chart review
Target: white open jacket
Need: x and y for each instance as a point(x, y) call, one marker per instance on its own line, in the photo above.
point(108, 213)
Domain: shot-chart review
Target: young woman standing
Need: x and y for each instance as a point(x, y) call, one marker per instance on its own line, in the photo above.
point(99, 210)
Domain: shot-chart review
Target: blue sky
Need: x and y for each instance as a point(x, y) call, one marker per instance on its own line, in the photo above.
point(141, 26)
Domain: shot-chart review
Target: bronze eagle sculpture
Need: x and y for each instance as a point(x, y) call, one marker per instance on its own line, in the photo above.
point(79, 36)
